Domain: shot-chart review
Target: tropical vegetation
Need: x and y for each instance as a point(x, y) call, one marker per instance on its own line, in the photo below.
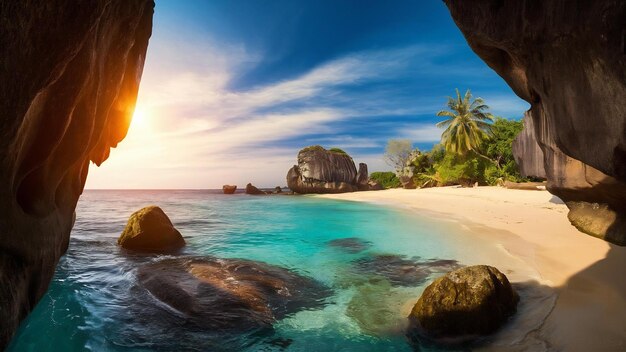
point(475, 147)
point(387, 179)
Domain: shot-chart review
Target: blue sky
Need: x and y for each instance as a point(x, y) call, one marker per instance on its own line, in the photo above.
point(232, 89)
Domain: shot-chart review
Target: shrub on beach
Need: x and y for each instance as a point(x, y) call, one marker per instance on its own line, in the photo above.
point(387, 179)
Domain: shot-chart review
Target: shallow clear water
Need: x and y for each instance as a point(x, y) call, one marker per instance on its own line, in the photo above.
point(90, 303)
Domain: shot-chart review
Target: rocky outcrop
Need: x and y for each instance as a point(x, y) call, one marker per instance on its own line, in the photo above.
point(229, 189)
point(362, 176)
point(278, 190)
point(323, 171)
point(470, 301)
point(227, 294)
point(252, 190)
point(567, 59)
point(374, 185)
point(150, 230)
point(527, 152)
point(407, 182)
point(68, 84)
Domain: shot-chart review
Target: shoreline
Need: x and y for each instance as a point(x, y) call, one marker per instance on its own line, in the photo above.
point(579, 295)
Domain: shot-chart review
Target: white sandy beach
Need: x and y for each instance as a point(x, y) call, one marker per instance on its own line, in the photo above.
point(576, 282)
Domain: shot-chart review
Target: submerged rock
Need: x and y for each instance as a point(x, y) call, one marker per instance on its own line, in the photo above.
point(351, 244)
point(150, 230)
point(471, 301)
point(250, 189)
point(229, 189)
point(323, 171)
point(377, 306)
point(227, 294)
point(402, 271)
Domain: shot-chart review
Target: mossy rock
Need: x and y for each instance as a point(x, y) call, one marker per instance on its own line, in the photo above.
point(322, 149)
point(312, 148)
point(337, 150)
point(474, 300)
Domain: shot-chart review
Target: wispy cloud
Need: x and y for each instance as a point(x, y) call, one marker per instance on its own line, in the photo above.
point(420, 133)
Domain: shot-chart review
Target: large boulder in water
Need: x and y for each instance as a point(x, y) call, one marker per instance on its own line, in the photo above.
point(68, 84)
point(250, 189)
point(229, 189)
point(323, 171)
point(474, 300)
point(227, 294)
point(150, 230)
point(566, 58)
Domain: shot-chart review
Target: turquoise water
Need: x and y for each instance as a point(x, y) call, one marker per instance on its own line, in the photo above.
point(90, 304)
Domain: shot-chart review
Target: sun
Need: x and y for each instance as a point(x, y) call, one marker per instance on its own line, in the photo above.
point(140, 118)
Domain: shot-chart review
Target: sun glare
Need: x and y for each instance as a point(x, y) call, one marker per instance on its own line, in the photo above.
point(140, 118)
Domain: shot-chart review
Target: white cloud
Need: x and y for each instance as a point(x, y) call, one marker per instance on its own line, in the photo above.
point(420, 133)
point(506, 106)
point(345, 142)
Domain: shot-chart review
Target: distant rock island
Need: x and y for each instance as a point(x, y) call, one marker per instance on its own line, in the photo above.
point(327, 171)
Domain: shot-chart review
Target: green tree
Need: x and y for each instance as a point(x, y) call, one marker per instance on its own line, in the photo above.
point(466, 125)
point(498, 147)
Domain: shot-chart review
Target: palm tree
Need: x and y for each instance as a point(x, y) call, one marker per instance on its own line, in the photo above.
point(467, 124)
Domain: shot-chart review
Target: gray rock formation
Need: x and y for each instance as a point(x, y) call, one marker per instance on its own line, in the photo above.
point(323, 171)
point(150, 230)
point(362, 176)
point(470, 301)
point(527, 152)
point(68, 84)
point(567, 59)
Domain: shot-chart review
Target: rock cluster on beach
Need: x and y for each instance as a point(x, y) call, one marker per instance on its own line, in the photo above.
point(326, 171)
point(567, 60)
point(69, 79)
point(150, 230)
point(470, 301)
